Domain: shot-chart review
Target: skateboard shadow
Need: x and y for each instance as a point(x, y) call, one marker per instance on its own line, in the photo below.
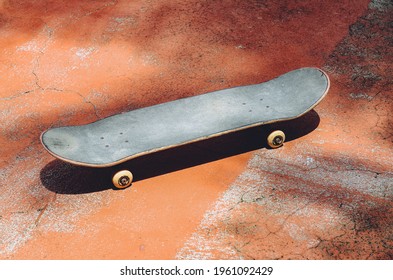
point(65, 178)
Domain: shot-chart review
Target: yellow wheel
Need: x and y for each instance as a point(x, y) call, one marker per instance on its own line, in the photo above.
point(122, 179)
point(276, 139)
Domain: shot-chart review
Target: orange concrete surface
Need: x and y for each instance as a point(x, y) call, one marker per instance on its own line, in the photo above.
point(327, 194)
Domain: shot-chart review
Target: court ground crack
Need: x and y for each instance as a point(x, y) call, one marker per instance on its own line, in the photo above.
point(85, 100)
point(37, 80)
point(41, 212)
point(17, 95)
point(293, 213)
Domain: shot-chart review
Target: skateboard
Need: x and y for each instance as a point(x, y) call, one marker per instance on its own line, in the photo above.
point(122, 137)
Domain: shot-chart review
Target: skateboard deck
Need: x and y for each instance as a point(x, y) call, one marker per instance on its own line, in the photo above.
point(125, 136)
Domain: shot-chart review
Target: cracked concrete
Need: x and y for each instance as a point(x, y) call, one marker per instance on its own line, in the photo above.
point(273, 204)
point(349, 206)
point(327, 194)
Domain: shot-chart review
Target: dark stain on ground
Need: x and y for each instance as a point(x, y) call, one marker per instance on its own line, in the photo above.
point(362, 63)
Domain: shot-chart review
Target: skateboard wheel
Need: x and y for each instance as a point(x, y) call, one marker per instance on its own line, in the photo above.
point(122, 179)
point(276, 139)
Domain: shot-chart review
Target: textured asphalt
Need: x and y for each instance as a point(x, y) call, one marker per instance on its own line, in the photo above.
point(326, 194)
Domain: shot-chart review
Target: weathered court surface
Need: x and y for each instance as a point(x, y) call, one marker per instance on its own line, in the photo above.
point(327, 194)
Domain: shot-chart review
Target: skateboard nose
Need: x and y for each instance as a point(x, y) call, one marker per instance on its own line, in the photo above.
point(58, 141)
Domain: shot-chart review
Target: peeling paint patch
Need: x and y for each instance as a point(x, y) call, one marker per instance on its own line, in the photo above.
point(31, 46)
point(83, 53)
point(15, 230)
point(360, 96)
point(292, 210)
point(381, 5)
